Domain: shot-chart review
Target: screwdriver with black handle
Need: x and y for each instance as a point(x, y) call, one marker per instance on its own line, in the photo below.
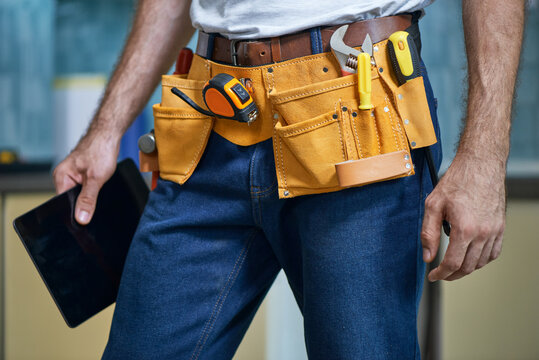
point(405, 61)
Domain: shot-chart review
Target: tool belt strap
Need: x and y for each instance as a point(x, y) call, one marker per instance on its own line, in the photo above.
point(286, 47)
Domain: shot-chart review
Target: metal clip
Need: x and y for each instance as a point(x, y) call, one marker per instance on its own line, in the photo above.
point(233, 52)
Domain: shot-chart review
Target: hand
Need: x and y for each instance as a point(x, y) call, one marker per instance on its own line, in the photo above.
point(91, 164)
point(471, 196)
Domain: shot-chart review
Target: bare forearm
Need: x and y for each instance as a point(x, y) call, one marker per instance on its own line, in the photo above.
point(471, 194)
point(160, 29)
point(493, 34)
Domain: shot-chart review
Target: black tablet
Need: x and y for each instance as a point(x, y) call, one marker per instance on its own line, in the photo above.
point(82, 265)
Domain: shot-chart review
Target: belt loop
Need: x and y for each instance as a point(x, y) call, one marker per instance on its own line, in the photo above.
point(276, 49)
point(317, 46)
point(209, 49)
point(233, 52)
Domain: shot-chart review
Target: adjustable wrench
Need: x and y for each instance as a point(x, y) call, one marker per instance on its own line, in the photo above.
point(354, 61)
point(346, 55)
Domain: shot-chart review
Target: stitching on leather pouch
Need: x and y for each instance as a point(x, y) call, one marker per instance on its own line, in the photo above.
point(200, 145)
point(391, 122)
point(400, 132)
point(294, 132)
point(319, 56)
point(376, 132)
point(338, 108)
point(166, 83)
point(176, 115)
point(298, 62)
point(397, 121)
point(357, 136)
point(283, 177)
point(277, 139)
point(340, 136)
point(283, 173)
point(316, 91)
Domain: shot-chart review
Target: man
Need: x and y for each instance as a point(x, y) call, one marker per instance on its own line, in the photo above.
point(206, 252)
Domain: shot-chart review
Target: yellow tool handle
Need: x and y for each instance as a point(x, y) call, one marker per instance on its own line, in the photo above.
point(402, 52)
point(404, 57)
point(364, 81)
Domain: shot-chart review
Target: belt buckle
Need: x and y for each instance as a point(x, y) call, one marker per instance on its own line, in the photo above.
point(233, 52)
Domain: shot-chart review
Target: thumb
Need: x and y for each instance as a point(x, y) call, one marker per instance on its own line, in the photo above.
point(430, 232)
point(86, 201)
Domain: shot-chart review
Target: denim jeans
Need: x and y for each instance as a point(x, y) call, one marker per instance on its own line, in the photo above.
point(206, 253)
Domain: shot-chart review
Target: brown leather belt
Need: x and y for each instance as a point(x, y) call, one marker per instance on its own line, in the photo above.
point(286, 47)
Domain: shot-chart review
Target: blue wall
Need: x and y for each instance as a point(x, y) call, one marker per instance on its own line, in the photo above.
point(26, 74)
point(443, 52)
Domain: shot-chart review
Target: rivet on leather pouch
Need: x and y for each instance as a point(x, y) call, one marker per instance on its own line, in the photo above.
point(413, 108)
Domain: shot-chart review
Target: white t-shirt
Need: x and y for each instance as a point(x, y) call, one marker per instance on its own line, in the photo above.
point(251, 19)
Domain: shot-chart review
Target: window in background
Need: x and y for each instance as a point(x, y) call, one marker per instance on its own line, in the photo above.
point(26, 73)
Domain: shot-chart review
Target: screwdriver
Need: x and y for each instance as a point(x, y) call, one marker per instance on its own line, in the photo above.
point(364, 73)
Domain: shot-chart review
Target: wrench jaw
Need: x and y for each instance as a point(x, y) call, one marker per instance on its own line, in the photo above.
point(343, 53)
point(347, 56)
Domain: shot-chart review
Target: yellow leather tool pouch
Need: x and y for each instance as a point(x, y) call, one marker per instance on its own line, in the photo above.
point(181, 132)
point(323, 142)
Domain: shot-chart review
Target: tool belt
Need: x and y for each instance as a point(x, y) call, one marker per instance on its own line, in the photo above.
point(287, 47)
point(322, 141)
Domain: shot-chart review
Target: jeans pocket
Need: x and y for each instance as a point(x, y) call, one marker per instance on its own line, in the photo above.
point(181, 135)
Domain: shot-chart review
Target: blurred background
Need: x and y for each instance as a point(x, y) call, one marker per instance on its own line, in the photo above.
point(55, 58)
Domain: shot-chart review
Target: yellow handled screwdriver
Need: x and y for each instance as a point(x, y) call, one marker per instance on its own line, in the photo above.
point(352, 60)
point(364, 74)
point(364, 81)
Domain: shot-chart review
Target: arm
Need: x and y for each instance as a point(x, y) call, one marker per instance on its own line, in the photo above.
point(471, 195)
point(160, 29)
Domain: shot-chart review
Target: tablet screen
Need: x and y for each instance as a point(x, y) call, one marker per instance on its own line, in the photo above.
point(82, 265)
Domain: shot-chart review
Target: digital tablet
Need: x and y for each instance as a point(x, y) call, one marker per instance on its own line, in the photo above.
point(82, 265)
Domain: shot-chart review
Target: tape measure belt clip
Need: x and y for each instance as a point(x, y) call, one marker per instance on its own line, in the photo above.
point(226, 97)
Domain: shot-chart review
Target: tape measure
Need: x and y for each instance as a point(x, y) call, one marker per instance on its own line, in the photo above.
point(226, 97)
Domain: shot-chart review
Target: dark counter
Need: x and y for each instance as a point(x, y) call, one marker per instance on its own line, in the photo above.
point(26, 182)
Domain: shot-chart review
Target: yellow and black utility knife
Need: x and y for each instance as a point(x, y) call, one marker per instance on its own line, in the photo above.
point(404, 57)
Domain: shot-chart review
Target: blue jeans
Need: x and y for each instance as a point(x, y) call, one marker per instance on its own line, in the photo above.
point(206, 253)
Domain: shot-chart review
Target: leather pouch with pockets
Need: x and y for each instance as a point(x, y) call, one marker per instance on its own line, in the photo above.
point(181, 132)
point(323, 142)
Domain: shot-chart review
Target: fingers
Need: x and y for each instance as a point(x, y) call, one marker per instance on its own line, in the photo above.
point(496, 248)
point(453, 259)
point(63, 179)
point(471, 260)
point(485, 254)
point(77, 171)
point(463, 257)
point(86, 201)
point(430, 232)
